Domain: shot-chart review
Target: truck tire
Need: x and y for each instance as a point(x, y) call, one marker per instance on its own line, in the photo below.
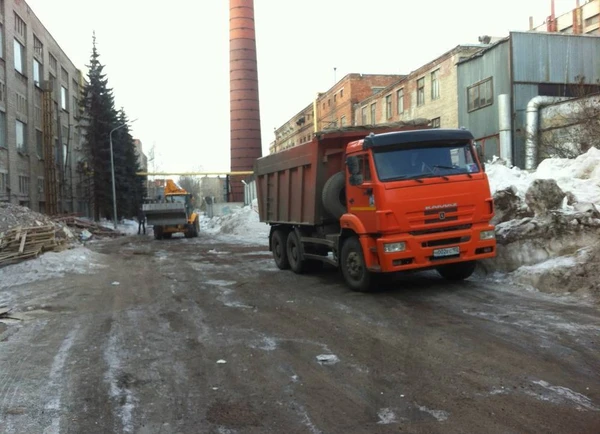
point(334, 195)
point(158, 232)
point(456, 271)
point(294, 253)
point(354, 268)
point(189, 230)
point(279, 248)
point(167, 235)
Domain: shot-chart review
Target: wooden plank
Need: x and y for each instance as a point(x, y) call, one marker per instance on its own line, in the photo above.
point(23, 239)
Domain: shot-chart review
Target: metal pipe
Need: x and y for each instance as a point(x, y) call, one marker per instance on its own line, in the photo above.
point(531, 141)
point(504, 122)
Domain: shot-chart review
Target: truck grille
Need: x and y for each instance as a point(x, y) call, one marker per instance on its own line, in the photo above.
point(438, 230)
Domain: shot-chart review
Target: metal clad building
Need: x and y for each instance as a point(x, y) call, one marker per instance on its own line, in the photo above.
point(524, 65)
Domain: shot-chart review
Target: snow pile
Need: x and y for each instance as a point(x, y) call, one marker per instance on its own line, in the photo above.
point(125, 226)
point(240, 226)
point(580, 176)
point(548, 224)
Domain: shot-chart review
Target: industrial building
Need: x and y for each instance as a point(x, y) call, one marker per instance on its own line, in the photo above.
point(429, 92)
point(39, 90)
point(583, 19)
point(502, 88)
point(331, 109)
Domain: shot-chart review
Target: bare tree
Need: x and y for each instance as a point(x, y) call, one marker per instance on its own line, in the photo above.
point(191, 185)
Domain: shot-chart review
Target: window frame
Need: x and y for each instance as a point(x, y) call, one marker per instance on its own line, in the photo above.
point(388, 106)
point(477, 87)
point(373, 113)
point(21, 56)
point(21, 147)
point(435, 84)
point(420, 91)
point(400, 101)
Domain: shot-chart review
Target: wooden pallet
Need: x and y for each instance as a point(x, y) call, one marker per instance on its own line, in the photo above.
point(20, 243)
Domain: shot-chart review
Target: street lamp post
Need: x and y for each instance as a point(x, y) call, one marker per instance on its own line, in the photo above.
point(112, 170)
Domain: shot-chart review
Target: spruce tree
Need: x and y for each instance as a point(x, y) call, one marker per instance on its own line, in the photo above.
point(99, 118)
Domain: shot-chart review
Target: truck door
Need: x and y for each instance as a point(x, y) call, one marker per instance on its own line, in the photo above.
point(361, 197)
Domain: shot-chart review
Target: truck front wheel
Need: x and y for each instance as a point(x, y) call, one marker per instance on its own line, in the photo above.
point(457, 271)
point(158, 232)
point(279, 248)
point(354, 269)
point(294, 254)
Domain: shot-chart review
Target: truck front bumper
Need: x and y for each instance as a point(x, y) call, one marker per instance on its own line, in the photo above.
point(432, 250)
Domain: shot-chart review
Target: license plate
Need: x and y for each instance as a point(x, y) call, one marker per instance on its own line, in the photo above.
point(449, 251)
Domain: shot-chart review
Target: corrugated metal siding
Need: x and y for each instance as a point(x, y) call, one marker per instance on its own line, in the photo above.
point(484, 122)
point(555, 58)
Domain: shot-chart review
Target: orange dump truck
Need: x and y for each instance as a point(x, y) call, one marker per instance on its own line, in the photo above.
point(373, 203)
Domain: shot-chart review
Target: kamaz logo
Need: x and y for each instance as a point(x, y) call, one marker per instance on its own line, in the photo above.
point(444, 206)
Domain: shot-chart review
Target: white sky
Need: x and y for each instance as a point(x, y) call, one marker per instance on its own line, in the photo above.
point(169, 66)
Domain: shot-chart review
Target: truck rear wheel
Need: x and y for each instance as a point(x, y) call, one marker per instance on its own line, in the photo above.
point(158, 232)
point(334, 195)
point(294, 255)
point(196, 227)
point(456, 271)
point(279, 248)
point(353, 266)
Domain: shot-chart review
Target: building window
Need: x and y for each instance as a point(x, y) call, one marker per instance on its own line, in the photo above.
point(373, 113)
point(24, 184)
point(2, 92)
point(2, 129)
point(400, 100)
point(37, 73)
point(19, 56)
point(343, 121)
point(63, 98)
point(20, 27)
point(21, 136)
point(480, 94)
point(364, 115)
point(21, 104)
point(38, 47)
point(64, 75)
point(388, 107)
point(342, 93)
point(53, 62)
point(435, 84)
point(3, 182)
point(421, 91)
point(435, 123)
point(2, 41)
point(39, 143)
point(40, 186)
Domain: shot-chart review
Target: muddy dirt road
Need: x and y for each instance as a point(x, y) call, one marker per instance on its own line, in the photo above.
point(202, 336)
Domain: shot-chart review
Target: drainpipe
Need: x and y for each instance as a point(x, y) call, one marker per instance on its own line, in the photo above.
point(531, 142)
point(504, 122)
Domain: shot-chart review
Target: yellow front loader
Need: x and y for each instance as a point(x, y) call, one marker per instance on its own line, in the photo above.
point(173, 214)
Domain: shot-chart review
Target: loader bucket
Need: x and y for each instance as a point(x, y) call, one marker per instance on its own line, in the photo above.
point(163, 214)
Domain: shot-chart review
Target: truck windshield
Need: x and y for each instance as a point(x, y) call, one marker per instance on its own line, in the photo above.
point(425, 162)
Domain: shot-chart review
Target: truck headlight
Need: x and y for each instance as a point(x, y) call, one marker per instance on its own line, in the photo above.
point(487, 235)
point(394, 247)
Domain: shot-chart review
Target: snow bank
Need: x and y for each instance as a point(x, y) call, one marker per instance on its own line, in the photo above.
point(548, 250)
point(580, 176)
point(240, 226)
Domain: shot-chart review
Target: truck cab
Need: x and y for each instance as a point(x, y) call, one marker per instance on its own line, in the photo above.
point(419, 199)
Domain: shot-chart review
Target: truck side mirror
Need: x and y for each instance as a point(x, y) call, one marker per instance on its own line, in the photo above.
point(356, 177)
point(353, 165)
point(480, 156)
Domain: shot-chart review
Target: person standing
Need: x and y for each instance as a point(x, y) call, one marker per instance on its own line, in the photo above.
point(141, 220)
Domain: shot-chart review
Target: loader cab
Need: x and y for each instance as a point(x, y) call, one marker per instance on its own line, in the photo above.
point(186, 199)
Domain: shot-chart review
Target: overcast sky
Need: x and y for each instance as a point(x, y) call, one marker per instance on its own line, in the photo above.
point(169, 66)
